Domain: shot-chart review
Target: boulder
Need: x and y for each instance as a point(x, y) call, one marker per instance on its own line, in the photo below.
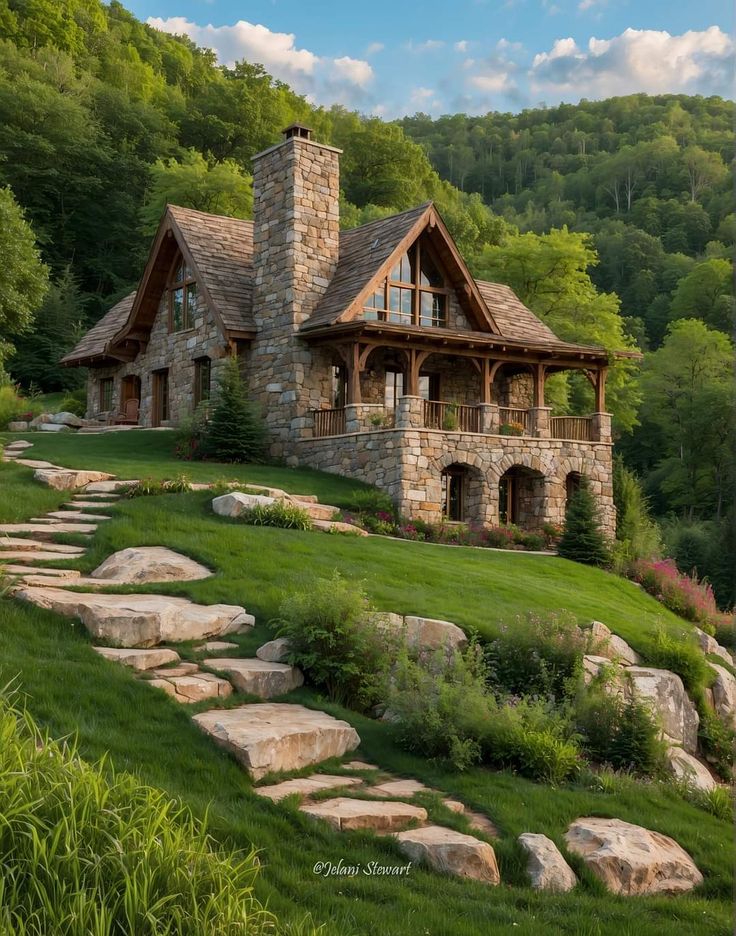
point(67, 419)
point(306, 786)
point(69, 479)
point(347, 814)
point(140, 564)
point(607, 644)
point(271, 736)
point(53, 427)
point(450, 852)
point(428, 634)
point(665, 693)
point(632, 860)
point(18, 425)
point(337, 526)
point(546, 867)
point(139, 659)
point(724, 693)
point(275, 651)
point(318, 511)
point(234, 503)
point(39, 420)
point(592, 666)
point(258, 677)
point(709, 644)
point(688, 769)
point(137, 620)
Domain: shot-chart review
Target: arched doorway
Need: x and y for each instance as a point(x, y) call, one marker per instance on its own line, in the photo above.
point(573, 482)
point(521, 497)
point(462, 494)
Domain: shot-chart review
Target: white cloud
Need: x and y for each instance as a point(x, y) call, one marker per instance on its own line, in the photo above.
point(322, 79)
point(651, 61)
point(374, 48)
point(461, 46)
point(491, 82)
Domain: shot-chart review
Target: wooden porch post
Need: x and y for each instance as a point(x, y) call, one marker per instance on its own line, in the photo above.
point(354, 395)
point(414, 361)
point(539, 378)
point(485, 380)
point(600, 390)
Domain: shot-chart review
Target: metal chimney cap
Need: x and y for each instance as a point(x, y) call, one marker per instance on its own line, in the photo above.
point(297, 130)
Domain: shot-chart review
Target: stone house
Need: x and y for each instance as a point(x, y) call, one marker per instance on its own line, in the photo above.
point(373, 351)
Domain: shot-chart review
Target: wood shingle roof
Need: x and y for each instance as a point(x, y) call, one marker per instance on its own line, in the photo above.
point(95, 343)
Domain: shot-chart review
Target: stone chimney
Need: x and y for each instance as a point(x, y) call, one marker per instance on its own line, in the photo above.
point(296, 242)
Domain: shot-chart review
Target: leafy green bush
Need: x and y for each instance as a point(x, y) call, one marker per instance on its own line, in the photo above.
point(11, 405)
point(371, 501)
point(537, 656)
point(280, 514)
point(637, 535)
point(83, 850)
point(717, 742)
point(718, 801)
point(619, 732)
point(235, 431)
point(332, 641)
point(75, 402)
point(583, 539)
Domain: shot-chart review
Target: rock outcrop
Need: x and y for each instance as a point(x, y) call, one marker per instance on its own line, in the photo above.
point(630, 859)
point(69, 479)
point(275, 651)
point(688, 769)
point(258, 677)
point(138, 565)
point(724, 693)
point(546, 867)
point(140, 660)
point(608, 645)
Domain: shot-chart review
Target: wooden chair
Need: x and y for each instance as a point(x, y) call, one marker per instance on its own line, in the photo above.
point(129, 416)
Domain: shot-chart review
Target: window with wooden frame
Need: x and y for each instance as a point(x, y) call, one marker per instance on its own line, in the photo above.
point(415, 292)
point(202, 380)
point(106, 388)
point(394, 389)
point(181, 289)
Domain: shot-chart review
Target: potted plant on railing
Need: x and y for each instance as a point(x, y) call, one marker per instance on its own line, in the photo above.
point(449, 420)
point(511, 429)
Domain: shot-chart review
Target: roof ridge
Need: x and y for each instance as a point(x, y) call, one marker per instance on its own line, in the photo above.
point(208, 214)
point(399, 214)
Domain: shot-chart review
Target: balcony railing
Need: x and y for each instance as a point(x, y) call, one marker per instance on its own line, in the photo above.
point(329, 422)
point(451, 417)
point(573, 428)
point(510, 415)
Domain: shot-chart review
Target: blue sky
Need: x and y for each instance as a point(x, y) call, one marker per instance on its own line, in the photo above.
point(394, 57)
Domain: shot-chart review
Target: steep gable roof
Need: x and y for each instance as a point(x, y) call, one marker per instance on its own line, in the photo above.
point(94, 345)
point(513, 317)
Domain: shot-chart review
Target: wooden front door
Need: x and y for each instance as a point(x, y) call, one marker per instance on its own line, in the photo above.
point(160, 413)
point(131, 389)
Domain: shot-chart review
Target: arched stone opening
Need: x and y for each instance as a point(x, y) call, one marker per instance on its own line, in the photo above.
point(464, 494)
point(521, 497)
point(573, 481)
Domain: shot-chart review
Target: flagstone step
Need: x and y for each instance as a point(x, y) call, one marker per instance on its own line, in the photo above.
point(216, 646)
point(306, 786)
point(54, 574)
point(77, 515)
point(33, 463)
point(11, 555)
point(44, 528)
point(69, 479)
point(194, 688)
point(391, 788)
point(347, 814)
point(21, 544)
point(278, 736)
point(74, 505)
point(140, 660)
point(90, 495)
point(107, 487)
point(257, 677)
point(136, 620)
point(19, 445)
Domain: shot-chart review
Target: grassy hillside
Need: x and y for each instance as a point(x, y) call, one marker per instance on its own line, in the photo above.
point(72, 691)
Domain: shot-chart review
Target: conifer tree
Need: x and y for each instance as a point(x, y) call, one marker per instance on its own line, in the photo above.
point(235, 432)
point(583, 539)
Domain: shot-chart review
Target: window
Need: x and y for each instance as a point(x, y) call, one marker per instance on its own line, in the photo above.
point(339, 386)
point(106, 388)
point(160, 397)
point(394, 388)
point(429, 386)
point(182, 293)
point(202, 380)
point(415, 292)
point(453, 494)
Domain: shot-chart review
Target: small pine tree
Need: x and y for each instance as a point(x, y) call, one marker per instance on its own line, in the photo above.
point(583, 539)
point(236, 432)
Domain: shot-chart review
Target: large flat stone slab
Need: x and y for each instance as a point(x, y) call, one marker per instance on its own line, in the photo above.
point(16, 555)
point(306, 786)
point(107, 487)
point(630, 859)
point(271, 736)
point(69, 575)
point(406, 788)
point(137, 620)
point(31, 545)
point(81, 515)
point(46, 529)
point(69, 479)
point(193, 688)
point(139, 660)
point(101, 504)
point(346, 814)
point(140, 564)
point(258, 677)
point(450, 852)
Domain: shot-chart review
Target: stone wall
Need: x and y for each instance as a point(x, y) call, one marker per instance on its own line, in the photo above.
point(176, 351)
point(296, 192)
point(408, 465)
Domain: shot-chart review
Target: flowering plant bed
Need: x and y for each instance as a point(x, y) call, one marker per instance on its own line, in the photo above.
point(684, 594)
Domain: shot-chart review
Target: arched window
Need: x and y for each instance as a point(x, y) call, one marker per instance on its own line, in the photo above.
point(414, 293)
point(572, 485)
point(181, 288)
point(453, 492)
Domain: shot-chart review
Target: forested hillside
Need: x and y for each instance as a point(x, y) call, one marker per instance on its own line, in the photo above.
point(613, 220)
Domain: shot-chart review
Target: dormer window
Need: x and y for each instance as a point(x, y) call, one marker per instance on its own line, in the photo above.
point(415, 292)
point(182, 293)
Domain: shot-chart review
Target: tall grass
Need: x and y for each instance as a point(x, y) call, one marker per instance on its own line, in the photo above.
point(85, 852)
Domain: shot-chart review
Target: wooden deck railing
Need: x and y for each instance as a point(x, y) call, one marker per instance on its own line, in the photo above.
point(329, 422)
point(451, 417)
point(576, 428)
point(512, 414)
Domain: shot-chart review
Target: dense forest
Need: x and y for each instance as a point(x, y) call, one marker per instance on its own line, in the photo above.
point(613, 220)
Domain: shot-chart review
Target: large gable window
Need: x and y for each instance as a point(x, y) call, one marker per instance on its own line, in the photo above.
point(414, 293)
point(182, 296)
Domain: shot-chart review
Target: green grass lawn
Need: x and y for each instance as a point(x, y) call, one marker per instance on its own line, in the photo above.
point(73, 691)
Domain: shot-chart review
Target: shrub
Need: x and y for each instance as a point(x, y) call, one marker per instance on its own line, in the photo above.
point(637, 535)
point(11, 405)
point(75, 402)
point(280, 514)
point(620, 732)
point(189, 433)
point(332, 641)
point(151, 487)
point(583, 539)
point(371, 500)
point(511, 429)
point(682, 656)
point(235, 431)
point(84, 850)
point(717, 743)
point(682, 594)
point(537, 656)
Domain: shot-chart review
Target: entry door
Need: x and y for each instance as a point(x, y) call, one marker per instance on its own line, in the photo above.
point(160, 397)
point(508, 499)
point(453, 494)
